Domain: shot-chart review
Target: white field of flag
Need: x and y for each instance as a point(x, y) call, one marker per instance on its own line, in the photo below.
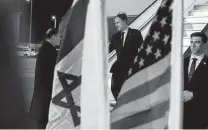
point(94, 86)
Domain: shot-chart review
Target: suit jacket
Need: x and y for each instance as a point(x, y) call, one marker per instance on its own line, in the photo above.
point(195, 110)
point(43, 82)
point(126, 53)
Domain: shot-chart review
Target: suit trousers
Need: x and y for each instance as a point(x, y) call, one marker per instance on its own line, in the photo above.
point(193, 119)
point(116, 84)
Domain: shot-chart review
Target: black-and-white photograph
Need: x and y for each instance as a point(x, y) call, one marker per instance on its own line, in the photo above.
point(103, 64)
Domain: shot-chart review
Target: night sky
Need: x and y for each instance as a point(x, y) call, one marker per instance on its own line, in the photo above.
point(41, 19)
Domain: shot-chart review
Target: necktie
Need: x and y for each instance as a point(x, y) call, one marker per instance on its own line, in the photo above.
point(122, 38)
point(192, 69)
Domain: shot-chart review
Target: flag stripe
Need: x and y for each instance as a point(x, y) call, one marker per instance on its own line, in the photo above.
point(159, 124)
point(152, 72)
point(75, 28)
point(140, 118)
point(144, 89)
point(144, 103)
point(144, 97)
point(70, 60)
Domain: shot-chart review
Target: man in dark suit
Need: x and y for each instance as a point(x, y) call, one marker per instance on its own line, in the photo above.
point(44, 70)
point(195, 95)
point(126, 43)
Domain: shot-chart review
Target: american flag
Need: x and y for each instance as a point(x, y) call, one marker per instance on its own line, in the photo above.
point(144, 98)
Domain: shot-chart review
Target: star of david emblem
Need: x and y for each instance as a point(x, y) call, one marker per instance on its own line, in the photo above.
point(67, 93)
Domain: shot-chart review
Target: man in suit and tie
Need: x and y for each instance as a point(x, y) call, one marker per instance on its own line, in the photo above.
point(44, 70)
point(126, 43)
point(195, 95)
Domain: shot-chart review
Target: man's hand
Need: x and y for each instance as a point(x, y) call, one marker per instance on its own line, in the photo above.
point(112, 105)
point(187, 95)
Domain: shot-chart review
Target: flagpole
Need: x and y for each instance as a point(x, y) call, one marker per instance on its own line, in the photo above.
point(176, 102)
point(94, 87)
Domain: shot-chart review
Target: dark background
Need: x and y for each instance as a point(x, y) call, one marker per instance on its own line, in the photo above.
point(41, 17)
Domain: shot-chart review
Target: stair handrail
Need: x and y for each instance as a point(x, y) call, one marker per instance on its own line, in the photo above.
point(191, 5)
point(143, 11)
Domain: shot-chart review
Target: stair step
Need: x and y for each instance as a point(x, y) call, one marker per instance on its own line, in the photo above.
point(186, 43)
point(194, 19)
point(201, 7)
point(198, 13)
point(195, 22)
point(188, 32)
point(196, 26)
point(194, 30)
point(184, 49)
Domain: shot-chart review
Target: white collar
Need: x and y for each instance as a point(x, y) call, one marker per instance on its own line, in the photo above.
point(200, 57)
point(48, 40)
point(126, 30)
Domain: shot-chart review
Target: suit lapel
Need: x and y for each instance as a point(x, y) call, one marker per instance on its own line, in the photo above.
point(186, 65)
point(119, 42)
point(200, 67)
point(126, 42)
point(128, 37)
point(186, 79)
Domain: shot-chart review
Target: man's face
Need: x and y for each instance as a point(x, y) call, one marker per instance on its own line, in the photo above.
point(53, 40)
point(120, 24)
point(196, 45)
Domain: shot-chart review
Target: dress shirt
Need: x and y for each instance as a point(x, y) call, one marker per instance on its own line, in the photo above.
point(125, 34)
point(199, 58)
